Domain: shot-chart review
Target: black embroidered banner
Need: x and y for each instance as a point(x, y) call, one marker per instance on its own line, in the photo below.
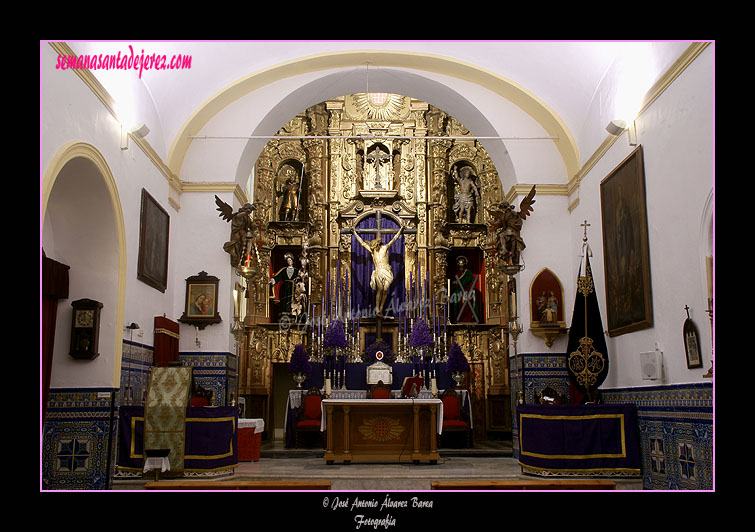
point(586, 352)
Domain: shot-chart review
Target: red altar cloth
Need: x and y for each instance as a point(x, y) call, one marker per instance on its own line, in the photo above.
point(250, 439)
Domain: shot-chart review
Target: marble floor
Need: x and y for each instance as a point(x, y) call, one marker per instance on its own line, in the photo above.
point(487, 461)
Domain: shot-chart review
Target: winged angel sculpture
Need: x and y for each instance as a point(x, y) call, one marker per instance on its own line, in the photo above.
point(242, 230)
point(507, 225)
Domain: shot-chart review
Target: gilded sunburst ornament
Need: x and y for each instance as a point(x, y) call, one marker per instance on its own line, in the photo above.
point(379, 105)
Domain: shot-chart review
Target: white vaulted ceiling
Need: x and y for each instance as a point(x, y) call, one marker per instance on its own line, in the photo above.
point(568, 91)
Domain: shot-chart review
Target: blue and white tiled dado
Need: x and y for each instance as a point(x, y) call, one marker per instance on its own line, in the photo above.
point(676, 421)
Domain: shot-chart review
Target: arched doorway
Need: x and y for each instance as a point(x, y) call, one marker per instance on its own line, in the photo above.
point(83, 228)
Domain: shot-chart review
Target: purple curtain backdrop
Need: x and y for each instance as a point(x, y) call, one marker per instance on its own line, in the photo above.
point(362, 296)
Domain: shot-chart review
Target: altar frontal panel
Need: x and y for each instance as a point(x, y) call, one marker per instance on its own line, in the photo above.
point(390, 430)
point(579, 439)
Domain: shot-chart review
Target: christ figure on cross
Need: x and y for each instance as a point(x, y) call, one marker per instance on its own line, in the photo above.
point(382, 276)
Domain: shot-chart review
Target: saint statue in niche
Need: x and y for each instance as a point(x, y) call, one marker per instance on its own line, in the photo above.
point(299, 304)
point(464, 303)
point(286, 276)
point(290, 190)
point(465, 203)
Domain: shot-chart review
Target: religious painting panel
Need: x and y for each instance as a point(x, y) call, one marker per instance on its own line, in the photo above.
point(201, 303)
point(692, 344)
point(154, 230)
point(625, 247)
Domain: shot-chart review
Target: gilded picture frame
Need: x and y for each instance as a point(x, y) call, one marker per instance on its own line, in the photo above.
point(201, 304)
point(154, 235)
point(625, 247)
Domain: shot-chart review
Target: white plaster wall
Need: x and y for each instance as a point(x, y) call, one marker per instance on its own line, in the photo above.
point(199, 247)
point(676, 133)
point(70, 112)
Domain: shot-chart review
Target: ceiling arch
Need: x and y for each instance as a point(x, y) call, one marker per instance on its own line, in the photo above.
point(384, 59)
point(384, 80)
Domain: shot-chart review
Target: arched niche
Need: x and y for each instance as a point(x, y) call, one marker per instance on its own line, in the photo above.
point(547, 306)
point(83, 227)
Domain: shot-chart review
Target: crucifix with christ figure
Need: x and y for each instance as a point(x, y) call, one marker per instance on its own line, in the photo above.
point(382, 275)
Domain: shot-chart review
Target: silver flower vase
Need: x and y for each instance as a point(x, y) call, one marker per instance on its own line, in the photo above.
point(299, 377)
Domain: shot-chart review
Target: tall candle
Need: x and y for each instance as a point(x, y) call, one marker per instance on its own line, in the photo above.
point(709, 271)
point(410, 290)
point(338, 290)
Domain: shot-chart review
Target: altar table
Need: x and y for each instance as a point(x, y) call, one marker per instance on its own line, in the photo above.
point(295, 395)
point(390, 430)
point(579, 440)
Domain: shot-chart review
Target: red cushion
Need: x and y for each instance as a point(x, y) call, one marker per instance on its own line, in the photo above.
point(454, 423)
point(381, 393)
point(312, 408)
point(198, 401)
point(308, 423)
point(450, 407)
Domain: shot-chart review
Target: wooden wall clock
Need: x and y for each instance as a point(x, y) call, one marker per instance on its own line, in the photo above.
point(85, 329)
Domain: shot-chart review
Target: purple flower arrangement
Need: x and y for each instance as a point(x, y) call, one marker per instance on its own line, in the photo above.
point(456, 360)
point(369, 353)
point(299, 361)
point(420, 336)
point(335, 336)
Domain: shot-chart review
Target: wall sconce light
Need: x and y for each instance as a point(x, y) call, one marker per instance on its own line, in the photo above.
point(617, 127)
point(139, 131)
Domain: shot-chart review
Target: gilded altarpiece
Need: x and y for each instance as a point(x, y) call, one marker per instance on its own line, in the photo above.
point(395, 158)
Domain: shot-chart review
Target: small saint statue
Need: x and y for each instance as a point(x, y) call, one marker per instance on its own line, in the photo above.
point(382, 276)
point(465, 204)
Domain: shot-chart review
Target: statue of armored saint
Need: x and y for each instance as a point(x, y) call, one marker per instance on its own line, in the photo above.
point(382, 276)
point(466, 201)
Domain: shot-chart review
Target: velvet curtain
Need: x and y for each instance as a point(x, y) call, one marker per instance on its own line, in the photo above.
point(54, 287)
point(166, 341)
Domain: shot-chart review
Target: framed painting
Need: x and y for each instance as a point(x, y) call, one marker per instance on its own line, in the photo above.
point(154, 232)
point(625, 247)
point(692, 345)
point(201, 307)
